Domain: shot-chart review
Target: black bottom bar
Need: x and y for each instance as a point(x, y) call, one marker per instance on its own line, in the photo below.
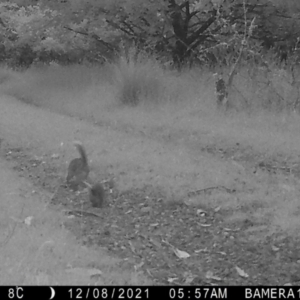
point(148, 292)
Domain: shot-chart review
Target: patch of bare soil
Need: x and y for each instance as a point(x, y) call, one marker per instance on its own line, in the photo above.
point(174, 243)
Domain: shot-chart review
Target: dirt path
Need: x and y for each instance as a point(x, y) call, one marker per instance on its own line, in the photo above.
point(36, 250)
point(241, 231)
point(35, 246)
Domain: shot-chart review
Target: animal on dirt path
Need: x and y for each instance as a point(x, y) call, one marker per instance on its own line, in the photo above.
point(96, 194)
point(78, 169)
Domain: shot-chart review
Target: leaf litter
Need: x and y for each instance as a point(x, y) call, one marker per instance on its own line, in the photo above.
point(169, 245)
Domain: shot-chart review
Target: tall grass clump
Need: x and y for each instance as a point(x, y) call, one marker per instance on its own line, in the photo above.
point(138, 78)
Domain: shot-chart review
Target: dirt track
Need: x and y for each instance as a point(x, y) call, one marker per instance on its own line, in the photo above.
point(231, 227)
point(33, 165)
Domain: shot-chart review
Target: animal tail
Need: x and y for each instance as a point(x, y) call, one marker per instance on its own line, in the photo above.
point(82, 152)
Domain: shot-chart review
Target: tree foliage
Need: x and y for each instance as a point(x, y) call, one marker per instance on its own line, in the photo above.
point(206, 31)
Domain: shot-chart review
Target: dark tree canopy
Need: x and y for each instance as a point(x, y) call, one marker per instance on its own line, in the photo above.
point(207, 31)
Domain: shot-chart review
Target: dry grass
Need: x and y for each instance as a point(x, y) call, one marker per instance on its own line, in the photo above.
point(173, 107)
point(169, 102)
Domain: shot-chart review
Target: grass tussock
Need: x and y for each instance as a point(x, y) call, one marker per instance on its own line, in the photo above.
point(139, 79)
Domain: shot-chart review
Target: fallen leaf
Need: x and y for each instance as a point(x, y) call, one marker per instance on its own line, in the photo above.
point(204, 225)
point(189, 279)
point(275, 249)
point(227, 229)
point(210, 275)
point(201, 250)
point(241, 272)
point(217, 208)
point(216, 278)
point(171, 280)
point(28, 220)
point(180, 253)
point(94, 272)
